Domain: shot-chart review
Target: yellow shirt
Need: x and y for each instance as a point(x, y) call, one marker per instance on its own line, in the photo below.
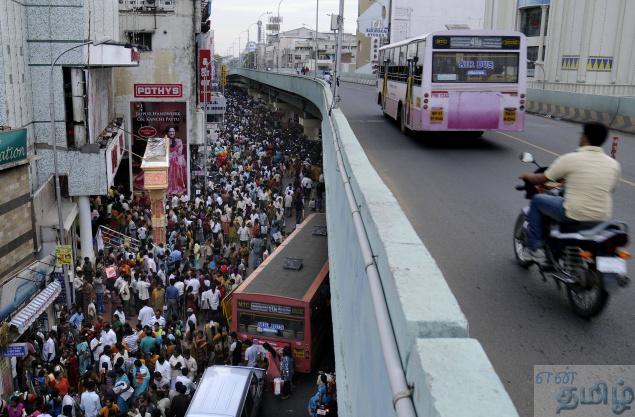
point(591, 177)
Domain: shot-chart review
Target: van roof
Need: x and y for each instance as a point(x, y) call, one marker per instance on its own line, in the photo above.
point(220, 392)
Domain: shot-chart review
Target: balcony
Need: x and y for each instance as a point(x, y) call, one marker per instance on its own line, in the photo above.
point(92, 167)
point(147, 6)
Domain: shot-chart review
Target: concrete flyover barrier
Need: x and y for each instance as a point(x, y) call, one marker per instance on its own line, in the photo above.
point(616, 112)
point(450, 373)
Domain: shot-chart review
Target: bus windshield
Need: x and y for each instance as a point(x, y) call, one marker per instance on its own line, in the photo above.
point(475, 67)
point(265, 325)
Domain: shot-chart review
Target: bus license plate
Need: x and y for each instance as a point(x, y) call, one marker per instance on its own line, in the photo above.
point(609, 264)
point(509, 117)
point(436, 115)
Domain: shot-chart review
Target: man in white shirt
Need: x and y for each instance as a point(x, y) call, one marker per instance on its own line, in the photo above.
point(157, 319)
point(251, 353)
point(48, 350)
point(89, 401)
point(143, 289)
point(193, 283)
point(96, 347)
point(186, 381)
point(108, 336)
point(150, 264)
point(163, 367)
point(190, 364)
point(104, 359)
point(145, 315)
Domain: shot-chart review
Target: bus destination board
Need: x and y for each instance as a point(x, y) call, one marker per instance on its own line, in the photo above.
point(476, 42)
point(270, 308)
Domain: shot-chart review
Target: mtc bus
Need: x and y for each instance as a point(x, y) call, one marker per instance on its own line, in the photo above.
point(455, 80)
point(286, 300)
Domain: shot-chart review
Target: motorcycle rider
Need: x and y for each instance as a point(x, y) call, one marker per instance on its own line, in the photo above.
point(590, 176)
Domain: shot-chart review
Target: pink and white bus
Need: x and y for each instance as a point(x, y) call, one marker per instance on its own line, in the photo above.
point(455, 80)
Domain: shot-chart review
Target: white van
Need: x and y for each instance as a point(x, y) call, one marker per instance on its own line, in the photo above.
point(228, 391)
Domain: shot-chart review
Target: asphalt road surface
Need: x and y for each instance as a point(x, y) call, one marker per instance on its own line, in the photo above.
point(459, 196)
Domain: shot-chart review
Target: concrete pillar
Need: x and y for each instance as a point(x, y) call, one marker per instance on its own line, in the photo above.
point(155, 172)
point(85, 228)
point(311, 128)
point(158, 215)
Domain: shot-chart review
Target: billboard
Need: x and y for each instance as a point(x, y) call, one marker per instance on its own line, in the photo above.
point(205, 75)
point(161, 119)
point(13, 147)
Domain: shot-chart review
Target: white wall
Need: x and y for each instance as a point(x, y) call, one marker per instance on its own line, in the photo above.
point(583, 29)
point(429, 15)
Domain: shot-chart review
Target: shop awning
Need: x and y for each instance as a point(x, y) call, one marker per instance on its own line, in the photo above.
point(32, 311)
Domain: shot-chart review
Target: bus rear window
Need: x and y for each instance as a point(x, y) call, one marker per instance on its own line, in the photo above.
point(274, 326)
point(475, 67)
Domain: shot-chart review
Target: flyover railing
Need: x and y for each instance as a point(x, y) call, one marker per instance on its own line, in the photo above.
point(401, 340)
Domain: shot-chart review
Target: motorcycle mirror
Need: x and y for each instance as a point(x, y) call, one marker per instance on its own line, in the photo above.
point(527, 157)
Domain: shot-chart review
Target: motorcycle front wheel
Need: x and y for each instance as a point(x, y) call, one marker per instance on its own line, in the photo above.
point(520, 242)
point(588, 298)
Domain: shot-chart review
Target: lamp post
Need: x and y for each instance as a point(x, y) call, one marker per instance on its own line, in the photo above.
point(278, 40)
point(58, 192)
point(317, 9)
point(258, 40)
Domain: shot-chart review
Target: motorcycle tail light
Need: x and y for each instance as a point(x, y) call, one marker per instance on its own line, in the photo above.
point(585, 254)
point(624, 254)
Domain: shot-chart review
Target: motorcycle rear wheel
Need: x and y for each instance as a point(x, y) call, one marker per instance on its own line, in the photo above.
point(520, 243)
point(588, 300)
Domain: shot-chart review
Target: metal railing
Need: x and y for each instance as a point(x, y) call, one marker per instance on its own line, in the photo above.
point(115, 239)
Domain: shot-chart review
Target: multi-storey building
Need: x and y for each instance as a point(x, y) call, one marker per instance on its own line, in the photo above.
point(295, 49)
point(55, 58)
point(161, 93)
point(574, 46)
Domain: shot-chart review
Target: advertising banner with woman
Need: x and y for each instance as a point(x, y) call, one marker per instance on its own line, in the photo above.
point(161, 119)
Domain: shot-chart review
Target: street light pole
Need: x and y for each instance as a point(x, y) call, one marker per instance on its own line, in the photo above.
point(278, 40)
point(317, 9)
point(338, 53)
point(61, 235)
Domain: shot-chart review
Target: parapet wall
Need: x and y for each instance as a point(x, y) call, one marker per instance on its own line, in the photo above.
point(616, 112)
point(450, 373)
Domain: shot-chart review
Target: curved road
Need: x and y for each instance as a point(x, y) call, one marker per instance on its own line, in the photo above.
point(459, 196)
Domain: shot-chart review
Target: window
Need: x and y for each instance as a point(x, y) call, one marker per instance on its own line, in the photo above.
point(532, 55)
point(412, 51)
point(475, 67)
point(273, 326)
point(402, 56)
point(530, 20)
point(143, 40)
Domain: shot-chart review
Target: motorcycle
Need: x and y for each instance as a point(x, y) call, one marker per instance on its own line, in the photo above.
point(586, 258)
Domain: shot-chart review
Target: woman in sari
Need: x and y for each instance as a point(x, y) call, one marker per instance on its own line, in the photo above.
point(122, 388)
point(177, 175)
point(83, 355)
point(141, 376)
point(201, 349)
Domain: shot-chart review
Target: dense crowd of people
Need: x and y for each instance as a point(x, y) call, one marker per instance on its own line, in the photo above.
point(147, 318)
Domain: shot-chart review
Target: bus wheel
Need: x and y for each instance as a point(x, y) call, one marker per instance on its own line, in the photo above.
point(402, 122)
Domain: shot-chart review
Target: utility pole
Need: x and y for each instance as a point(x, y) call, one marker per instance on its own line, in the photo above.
point(338, 53)
point(317, 12)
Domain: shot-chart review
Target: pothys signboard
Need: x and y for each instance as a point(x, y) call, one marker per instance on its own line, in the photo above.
point(13, 147)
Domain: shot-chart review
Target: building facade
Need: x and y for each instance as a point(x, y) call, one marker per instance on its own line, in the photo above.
point(576, 46)
point(388, 21)
point(54, 57)
point(161, 93)
point(294, 49)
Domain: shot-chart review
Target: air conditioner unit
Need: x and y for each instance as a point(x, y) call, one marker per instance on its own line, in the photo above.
point(167, 5)
point(150, 4)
